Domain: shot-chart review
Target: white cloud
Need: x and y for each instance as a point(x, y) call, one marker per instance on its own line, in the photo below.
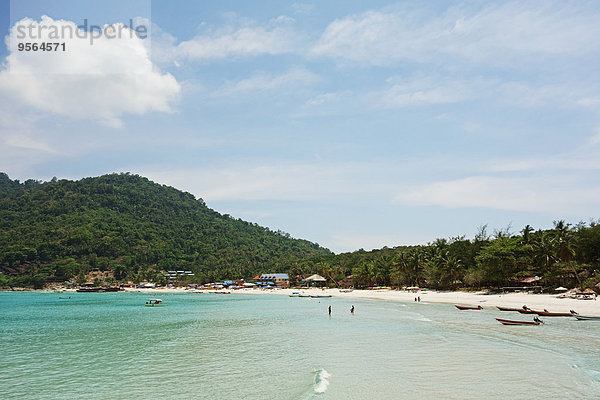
point(274, 180)
point(103, 81)
point(423, 91)
point(563, 94)
point(303, 8)
point(29, 143)
point(595, 139)
point(497, 34)
point(562, 195)
point(241, 38)
point(263, 82)
point(352, 242)
point(586, 161)
point(323, 98)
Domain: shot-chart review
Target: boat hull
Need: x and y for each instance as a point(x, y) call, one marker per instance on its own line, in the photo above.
point(552, 314)
point(511, 322)
point(527, 311)
point(586, 318)
point(468, 307)
point(508, 309)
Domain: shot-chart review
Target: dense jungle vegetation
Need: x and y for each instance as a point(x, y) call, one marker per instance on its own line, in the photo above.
point(137, 230)
point(61, 229)
point(563, 256)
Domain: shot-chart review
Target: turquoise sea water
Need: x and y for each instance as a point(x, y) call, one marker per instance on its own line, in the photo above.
point(207, 346)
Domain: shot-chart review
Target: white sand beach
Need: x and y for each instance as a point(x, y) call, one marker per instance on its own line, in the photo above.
point(535, 301)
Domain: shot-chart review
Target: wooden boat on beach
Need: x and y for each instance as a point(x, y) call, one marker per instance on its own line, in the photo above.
point(527, 311)
point(511, 322)
point(468, 307)
point(508, 309)
point(552, 314)
point(320, 296)
point(584, 317)
point(88, 289)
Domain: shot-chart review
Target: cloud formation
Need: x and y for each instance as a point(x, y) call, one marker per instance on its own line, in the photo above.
point(264, 82)
point(237, 39)
point(84, 82)
point(563, 195)
point(497, 34)
point(422, 92)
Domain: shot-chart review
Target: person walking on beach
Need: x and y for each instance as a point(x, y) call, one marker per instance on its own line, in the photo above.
point(352, 310)
point(329, 310)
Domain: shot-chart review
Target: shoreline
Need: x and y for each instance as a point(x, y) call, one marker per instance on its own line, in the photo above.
point(514, 300)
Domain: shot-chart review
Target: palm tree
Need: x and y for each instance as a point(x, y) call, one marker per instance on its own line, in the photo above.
point(452, 269)
point(564, 242)
point(527, 234)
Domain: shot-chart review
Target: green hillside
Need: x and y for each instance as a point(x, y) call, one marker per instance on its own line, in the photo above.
point(125, 223)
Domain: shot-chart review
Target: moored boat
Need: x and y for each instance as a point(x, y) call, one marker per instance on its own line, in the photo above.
point(154, 303)
point(319, 296)
point(468, 307)
point(511, 322)
point(546, 313)
point(508, 309)
point(98, 289)
point(527, 311)
point(586, 317)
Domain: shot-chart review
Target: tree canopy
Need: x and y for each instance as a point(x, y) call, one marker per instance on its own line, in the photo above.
point(125, 223)
point(137, 229)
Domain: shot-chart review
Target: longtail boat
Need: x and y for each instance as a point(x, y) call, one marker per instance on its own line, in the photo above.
point(552, 314)
point(586, 317)
point(155, 303)
point(320, 296)
point(468, 307)
point(508, 309)
point(528, 311)
point(511, 322)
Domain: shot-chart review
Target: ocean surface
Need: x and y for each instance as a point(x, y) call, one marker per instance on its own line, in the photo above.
point(208, 346)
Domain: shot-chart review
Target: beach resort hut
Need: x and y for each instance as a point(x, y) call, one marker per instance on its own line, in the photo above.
point(315, 280)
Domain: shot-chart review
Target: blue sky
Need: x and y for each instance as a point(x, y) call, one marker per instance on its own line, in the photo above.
point(353, 124)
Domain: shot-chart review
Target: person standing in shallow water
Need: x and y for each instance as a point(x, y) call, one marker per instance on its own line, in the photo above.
point(329, 310)
point(352, 310)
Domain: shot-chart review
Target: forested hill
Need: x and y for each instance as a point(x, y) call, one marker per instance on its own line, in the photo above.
point(132, 226)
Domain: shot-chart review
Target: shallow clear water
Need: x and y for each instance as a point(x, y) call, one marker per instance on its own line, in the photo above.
point(108, 345)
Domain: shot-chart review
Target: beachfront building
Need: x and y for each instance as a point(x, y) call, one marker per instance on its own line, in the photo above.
point(282, 280)
point(315, 280)
point(174, 276)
